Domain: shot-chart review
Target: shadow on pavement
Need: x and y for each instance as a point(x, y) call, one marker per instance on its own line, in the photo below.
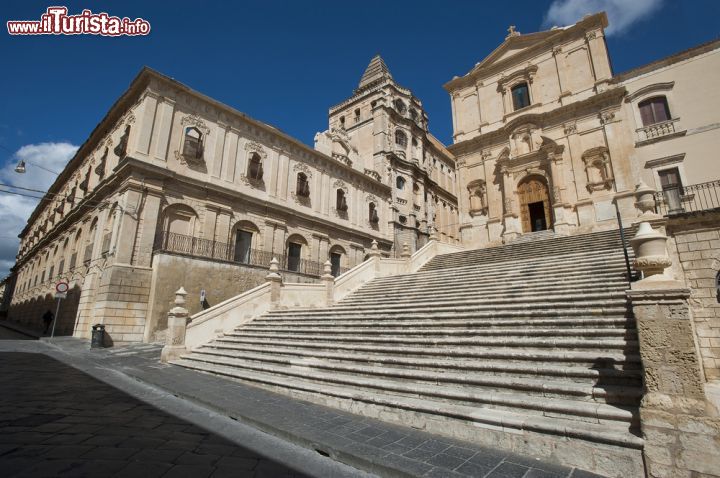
point(58, 421)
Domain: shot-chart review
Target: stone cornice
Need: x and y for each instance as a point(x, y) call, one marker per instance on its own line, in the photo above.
point(131, 165)
point(594, 104)
point(552, 38)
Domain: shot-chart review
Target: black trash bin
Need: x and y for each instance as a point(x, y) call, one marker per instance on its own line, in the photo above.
point(98, 336)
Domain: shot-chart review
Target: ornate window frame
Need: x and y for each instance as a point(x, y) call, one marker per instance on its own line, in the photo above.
point(598, 158)
point(192, 121)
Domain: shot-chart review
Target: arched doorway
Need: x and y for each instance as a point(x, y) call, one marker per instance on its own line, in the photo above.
point(535, 210)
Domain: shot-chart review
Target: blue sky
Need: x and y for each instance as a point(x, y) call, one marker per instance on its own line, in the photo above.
point(282, 62)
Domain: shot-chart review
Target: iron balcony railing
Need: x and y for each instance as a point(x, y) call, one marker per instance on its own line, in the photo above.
point(206, 248)
point(684, 199)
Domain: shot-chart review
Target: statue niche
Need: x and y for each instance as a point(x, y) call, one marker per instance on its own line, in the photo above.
point(598, 169)
point(477, 195)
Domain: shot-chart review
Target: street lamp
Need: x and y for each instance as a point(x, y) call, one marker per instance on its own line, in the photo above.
point(21, 169)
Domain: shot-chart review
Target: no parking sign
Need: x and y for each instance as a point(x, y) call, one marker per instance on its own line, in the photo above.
point(61, 290)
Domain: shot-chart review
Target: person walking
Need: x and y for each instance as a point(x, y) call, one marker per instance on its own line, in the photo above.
point(47, 319)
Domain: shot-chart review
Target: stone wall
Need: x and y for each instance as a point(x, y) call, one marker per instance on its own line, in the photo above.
point(698, 248)
point(221, 281)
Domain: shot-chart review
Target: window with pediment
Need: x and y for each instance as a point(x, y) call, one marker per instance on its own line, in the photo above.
point(520, 96)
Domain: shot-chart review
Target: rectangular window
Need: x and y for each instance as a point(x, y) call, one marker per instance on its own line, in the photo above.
point(654, 110)
point(243, 244)
point(520, 96)
point(335, 264)
point(294, 256)
point(672, 189)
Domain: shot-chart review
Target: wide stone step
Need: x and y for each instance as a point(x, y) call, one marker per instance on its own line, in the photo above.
point(516, 288)
point(604, 431)
point(479, 310)
point(521, 288)
point(505, 341)
point(480, 279)
point(598, 322)
point(343, 332)
point(600, 371)
point(534, 252)
point(612, 297)
point(581, 262)
point(627, 358)
point(570, 399)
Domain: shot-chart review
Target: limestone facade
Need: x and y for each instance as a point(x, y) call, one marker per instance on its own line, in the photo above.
point(170, 171)
point(383, 128)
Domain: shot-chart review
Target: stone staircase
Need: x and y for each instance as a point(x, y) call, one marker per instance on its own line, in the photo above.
point(528, 346)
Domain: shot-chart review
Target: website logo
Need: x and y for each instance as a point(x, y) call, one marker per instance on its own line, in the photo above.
point(56, 21)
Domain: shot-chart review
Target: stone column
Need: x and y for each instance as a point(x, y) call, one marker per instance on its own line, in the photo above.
point(561, 225)
point(679, 426)
point(510, 217)
point(177, 327)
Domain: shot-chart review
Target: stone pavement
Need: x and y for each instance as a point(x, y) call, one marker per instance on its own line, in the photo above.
point(367, 444)
point(56, 420)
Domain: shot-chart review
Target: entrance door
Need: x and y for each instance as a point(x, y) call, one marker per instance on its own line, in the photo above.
point(243, 243)
point(335, 263)
point(535, 212)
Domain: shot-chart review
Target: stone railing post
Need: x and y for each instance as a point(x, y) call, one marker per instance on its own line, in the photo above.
point(433, 236)
point(177, 327)
point(329, 280)
point(679, 426)
point(275, 280)
point(405, 255)
point(375, 255)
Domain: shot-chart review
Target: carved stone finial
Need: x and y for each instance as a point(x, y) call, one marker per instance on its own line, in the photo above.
point(645, 201)
point(327, 268)
point(650, 253)
point(432, 230)
point(274, 265)
point(405, 250)
point(512, 32)
point(180, 296)
point(374, 250)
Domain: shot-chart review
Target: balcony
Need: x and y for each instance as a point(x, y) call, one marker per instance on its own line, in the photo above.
point(190, 246)
point(655, 132)
point(688, 199)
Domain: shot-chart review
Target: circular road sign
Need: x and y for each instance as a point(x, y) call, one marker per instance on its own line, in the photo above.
point(62, 287)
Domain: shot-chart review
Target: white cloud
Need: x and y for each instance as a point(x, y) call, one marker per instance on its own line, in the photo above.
point(621, 13)
point(14, 209)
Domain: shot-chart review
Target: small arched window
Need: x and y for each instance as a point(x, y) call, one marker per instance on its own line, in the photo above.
point(400, 183)
point(654, 110)
point(255, 167)
point(520, 96)
point(400, 139)
point(373, 214)
point(357, 115)
point(341, 201)
point(192, 146)
point(413, 114)
point(302, 187)
point(400, 106)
